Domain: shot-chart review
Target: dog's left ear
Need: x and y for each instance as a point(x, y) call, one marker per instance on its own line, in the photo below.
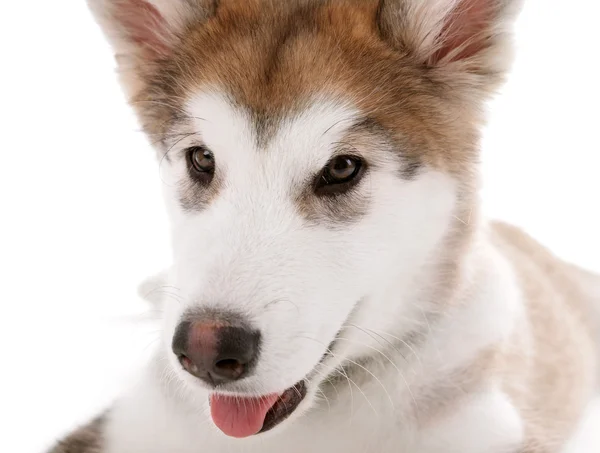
point(468, 37)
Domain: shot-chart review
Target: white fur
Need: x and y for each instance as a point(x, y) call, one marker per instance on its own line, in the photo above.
point(251, 251)
point(486, 422)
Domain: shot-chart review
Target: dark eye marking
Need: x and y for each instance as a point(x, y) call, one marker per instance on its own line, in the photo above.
point(201, 164)
point(340, 175)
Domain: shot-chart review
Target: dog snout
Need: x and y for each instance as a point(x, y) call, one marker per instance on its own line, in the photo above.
point(216, 352)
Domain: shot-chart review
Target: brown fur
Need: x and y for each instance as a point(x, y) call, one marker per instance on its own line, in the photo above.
point(550, 369)
point(274, 57)
point(87, 439)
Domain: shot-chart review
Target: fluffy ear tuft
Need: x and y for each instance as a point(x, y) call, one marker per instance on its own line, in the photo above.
point(440, 32)
point(147, 29)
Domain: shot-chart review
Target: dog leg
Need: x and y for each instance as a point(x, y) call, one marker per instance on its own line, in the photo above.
point(153, 288)
point(87, 439)
point(487, 422)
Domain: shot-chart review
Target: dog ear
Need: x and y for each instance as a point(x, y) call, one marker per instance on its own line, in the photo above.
point(469, 35)
point(142, 32)
point(147, 29)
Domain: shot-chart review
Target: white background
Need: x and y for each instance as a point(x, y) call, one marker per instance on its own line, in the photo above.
point(82, 220)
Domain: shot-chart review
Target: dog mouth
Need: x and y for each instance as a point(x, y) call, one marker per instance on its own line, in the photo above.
point(242, 417)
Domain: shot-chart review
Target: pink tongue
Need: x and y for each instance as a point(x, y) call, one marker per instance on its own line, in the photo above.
point(240, 417)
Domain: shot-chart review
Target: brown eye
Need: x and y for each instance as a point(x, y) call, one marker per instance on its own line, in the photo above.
point(340, 175)
point(201, 162)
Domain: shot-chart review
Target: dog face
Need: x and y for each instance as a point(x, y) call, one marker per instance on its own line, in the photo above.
point(319, 166)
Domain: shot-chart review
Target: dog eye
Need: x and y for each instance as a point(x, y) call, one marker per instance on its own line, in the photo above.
point(201, 163)
point(341, 174)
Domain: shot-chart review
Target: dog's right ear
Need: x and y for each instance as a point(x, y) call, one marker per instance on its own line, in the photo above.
point(145, 31)
point(148, 29)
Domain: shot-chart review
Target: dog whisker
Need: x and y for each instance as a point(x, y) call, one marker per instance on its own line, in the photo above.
point(346, 374)
point(151, 343)
point(406, 383)
point(326, 378)
point(166, 290)
point(350, 382)
point(372, 335)
point(326, 399)
point(370, 372)
point(393, 364)
point(431, 335)
point(408, 346)
point(278, 301)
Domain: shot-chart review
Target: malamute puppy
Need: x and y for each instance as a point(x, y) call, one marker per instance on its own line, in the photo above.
point(337, 288)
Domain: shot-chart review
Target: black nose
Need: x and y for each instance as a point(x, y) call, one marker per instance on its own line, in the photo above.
point(216, 352)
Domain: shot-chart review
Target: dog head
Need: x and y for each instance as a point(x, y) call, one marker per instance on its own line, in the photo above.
point(319, 161)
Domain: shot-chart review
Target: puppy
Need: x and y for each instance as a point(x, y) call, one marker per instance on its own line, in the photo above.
point(337, 289)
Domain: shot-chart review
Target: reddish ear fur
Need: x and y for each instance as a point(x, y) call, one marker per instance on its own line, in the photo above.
point(465, 31)
point(438, 32)
point(136, 28)
point(147, 30)
point(145, 26)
